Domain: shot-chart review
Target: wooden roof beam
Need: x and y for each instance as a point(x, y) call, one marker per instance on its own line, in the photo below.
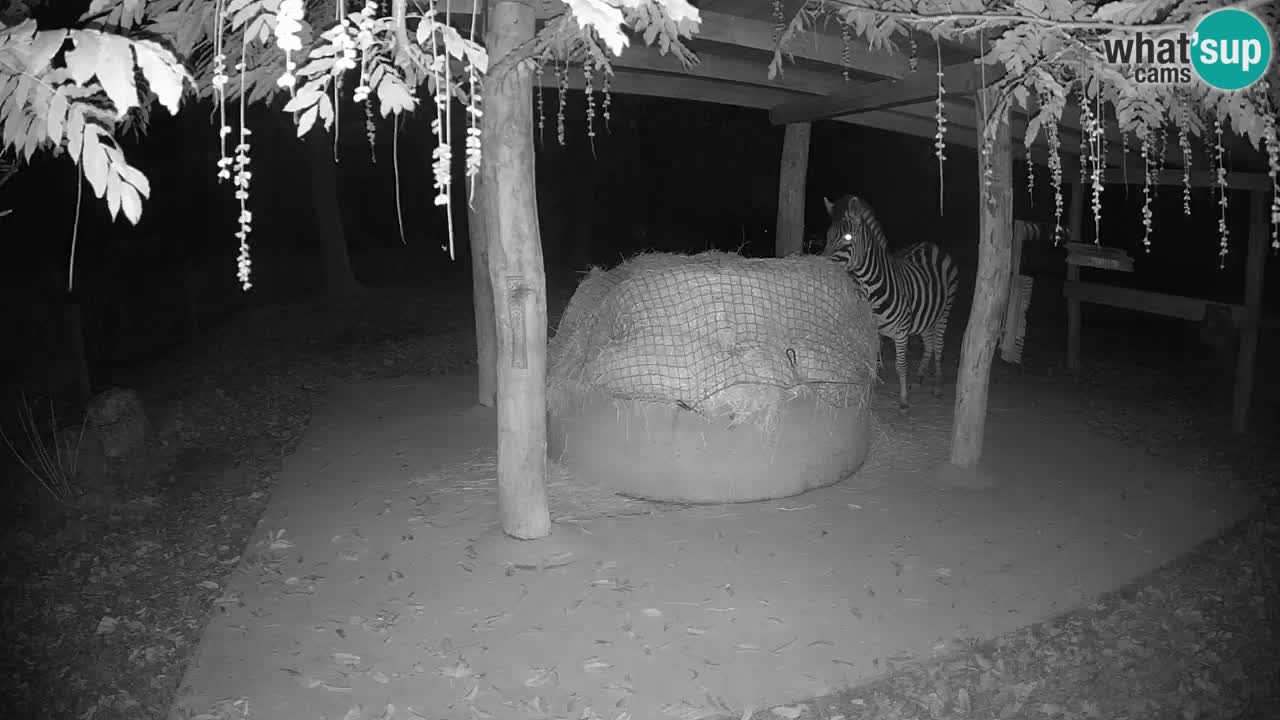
point(639, 82)
point(758, 35)
point(916, 121)
point(960, 80)
point(820, 47)
point(714, 66)
point(904, 124)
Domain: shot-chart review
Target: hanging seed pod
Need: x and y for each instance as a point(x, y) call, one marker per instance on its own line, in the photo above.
point(988, 173)
point(1148, 169)
point(1086, 118)
point(1184, 146)
point(1273, 166)
point(219, 83)
point(1224, 234)
point(241, 180)
point(607, 99)
point(542, 93)
point(371, 133)
point(1055, 176)
point(939, 144)
point(845, 51)
point(562, 75)
point(1157, 156)
point(588, 88)
point(1031, 180)
point(1097, 161)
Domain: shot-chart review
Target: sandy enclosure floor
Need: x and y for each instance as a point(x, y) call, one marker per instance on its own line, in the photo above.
point(362, 594)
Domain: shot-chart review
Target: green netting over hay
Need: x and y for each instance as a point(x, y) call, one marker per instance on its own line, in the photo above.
point(715, 332)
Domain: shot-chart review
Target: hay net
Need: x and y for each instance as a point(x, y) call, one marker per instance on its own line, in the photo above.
point(713, 330)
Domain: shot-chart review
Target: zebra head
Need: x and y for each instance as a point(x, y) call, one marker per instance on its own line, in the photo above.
point(854, 232)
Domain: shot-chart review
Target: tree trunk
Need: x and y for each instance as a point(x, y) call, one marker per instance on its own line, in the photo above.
point(339, 280)
point(995, 230)
point(792, 176)
point(517, 274)
point(482, 296)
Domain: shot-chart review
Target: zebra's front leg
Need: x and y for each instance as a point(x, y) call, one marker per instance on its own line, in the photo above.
point(900, 364)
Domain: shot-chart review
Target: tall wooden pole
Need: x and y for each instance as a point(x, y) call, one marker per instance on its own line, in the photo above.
point(1246, 359)
point(1014, 304)
point(516, 272)
point(1075, 226)
point(991, 291)
point(482, 300)
point(792, 174)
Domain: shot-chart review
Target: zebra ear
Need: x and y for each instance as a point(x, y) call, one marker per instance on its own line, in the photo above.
point(830, 205)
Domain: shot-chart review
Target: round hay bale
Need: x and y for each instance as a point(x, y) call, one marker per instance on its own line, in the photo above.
point(657, 451)
point(713, 377)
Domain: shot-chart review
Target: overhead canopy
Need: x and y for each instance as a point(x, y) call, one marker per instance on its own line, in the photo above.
point(823, 78)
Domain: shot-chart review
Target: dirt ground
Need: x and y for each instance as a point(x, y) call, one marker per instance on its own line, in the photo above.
point(366, 591)
point(333, 571)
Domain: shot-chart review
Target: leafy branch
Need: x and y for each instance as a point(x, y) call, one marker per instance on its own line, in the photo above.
point(1052, 50)
point(74, 105)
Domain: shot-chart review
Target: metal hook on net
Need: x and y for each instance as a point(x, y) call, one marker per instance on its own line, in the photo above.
point(792, 363)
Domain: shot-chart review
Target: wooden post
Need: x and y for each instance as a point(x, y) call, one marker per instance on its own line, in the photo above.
point(1246, 358)
point(995, 233)
point(1075, 226)
point(482, 297)
point(792, 175)
point(1013, 302)
point(516, 272)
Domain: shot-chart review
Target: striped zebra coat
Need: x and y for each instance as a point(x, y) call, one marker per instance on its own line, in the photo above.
point(911, 291)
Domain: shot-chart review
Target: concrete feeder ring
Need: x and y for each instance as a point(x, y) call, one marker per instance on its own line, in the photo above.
point(657, 451)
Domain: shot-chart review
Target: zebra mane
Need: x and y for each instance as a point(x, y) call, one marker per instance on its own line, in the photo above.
point(851, 212)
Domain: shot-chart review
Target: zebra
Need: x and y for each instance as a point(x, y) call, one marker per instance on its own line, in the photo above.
point(1034, 232)
point(911, 291)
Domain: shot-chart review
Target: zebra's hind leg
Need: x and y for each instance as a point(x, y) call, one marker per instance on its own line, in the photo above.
point(926, 339)
point(900, 364)
point(937, 335)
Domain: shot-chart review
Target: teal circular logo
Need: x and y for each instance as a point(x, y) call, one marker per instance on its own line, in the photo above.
point(1231, 49)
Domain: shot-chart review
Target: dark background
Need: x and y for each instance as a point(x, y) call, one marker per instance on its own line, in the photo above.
point(665, 175)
